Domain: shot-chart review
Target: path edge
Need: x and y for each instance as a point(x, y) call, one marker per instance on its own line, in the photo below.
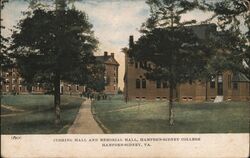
point(71, 124)
point(96, 118)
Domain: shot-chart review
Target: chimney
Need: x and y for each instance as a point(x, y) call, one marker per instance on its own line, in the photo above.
point(131, 41)
point(113, 55)
point(105, 54)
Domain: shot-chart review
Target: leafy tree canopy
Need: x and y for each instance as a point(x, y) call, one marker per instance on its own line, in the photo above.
point(3, 55)
point(170, 44)
point(51, 46)
point(233, 20)
point(5, 60)
point(96, 80)
point(51, 42)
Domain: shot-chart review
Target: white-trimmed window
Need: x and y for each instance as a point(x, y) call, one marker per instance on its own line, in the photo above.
point(13, 81)
point(20, 81)
point(7, 81)
point(220, 78)
point(7, 88)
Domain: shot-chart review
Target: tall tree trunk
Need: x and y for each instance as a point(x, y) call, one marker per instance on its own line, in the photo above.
point(60, 6)
point(171, 91)
point(57, 98)
point(1, 82)
point(206, 89)
point(171, 110)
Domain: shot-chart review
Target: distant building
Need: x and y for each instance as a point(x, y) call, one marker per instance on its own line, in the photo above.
point(226, 85)
point(14, 84)
point(71, 89)
point(111, 72)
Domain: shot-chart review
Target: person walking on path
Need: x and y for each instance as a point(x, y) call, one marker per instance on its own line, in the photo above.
point(84, 122)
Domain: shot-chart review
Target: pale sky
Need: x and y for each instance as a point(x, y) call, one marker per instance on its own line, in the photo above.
point(113, 22)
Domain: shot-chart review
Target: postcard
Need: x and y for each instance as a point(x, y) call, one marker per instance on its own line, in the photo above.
point(124, 78)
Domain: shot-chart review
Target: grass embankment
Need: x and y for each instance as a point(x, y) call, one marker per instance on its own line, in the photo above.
point(152, 117)
point(34, 114)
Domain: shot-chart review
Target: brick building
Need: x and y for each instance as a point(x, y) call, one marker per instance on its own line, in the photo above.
point(225, 85)
point(13, 83)
point(71, 89)
point(111, 72)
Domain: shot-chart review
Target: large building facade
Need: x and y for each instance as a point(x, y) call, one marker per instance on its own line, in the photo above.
point(226, 85)
point(111, 72)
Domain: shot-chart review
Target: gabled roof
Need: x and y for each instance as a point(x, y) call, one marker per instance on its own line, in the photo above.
point(109, 59)
point(240, 77)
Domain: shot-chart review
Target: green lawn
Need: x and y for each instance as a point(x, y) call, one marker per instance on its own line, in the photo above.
point(34, 114)
point(152, 117)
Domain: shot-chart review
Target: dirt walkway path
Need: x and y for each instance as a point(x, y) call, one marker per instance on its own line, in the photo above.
point(84, 122)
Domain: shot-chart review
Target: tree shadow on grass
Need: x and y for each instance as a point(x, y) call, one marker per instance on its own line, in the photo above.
point(162, 126)
point(210, 106)
point(32, 127)
point(39, 122)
